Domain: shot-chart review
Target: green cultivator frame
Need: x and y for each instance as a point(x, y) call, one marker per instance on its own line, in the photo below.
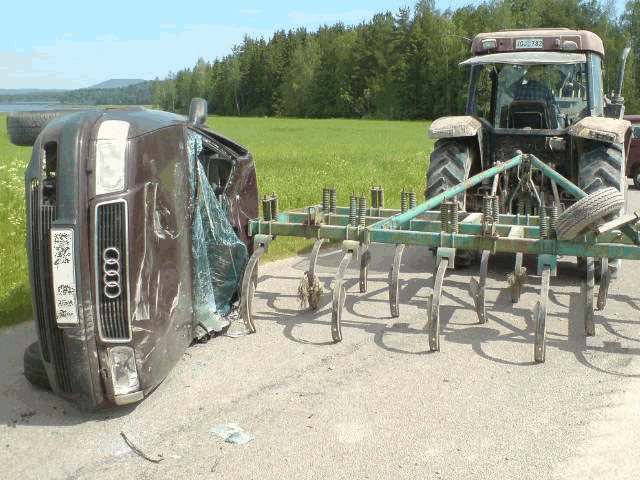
point(584, 230)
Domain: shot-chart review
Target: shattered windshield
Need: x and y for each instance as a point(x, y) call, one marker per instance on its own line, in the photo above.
point(547, 96)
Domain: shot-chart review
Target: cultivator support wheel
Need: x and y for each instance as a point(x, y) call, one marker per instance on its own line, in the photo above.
point(394, 274)
point(477, 288)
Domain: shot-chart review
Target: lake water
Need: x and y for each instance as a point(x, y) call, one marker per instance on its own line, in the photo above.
point(28, 107)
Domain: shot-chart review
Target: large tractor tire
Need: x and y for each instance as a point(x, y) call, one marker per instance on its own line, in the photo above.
point(449, 165)
point(24, 127)
point(601, 166)
point(34, 368)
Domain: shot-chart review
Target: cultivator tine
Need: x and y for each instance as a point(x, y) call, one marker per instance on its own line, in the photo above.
point(433, 325)
point(249, 282)
point(477, 288)
point(540, 316)
point(589, 323)
point(605, 282)
point(310, 291)
point(517, 278)
point(365, 257)
point(394, 273)
point(349, 248)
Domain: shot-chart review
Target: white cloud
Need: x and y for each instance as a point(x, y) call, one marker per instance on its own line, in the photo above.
point(249, 10)
point(353, 16)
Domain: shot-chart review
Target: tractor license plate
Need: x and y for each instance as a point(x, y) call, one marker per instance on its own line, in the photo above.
point(529, 43)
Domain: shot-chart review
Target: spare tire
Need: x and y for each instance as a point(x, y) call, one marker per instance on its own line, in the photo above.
point(24, 127)
point(588, 211)
point(34, 367)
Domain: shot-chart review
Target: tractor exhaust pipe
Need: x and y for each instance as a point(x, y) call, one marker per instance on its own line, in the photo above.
point(615, 107)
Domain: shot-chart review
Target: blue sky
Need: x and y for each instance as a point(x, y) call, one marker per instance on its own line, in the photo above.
point(78, 44)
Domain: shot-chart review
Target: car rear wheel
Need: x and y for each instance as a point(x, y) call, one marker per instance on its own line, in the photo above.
point(24, 127)
point(636, 177)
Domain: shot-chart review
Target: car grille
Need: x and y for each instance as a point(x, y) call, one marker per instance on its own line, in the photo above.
point(112, 271)
point(41, 216)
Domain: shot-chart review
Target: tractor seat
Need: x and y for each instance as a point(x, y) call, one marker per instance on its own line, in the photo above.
point(529, 113)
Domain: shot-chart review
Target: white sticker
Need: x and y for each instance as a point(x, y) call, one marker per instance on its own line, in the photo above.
point(529, 43)
point(64, 278)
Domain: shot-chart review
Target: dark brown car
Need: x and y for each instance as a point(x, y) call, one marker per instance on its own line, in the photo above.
point(136, 234)
point(633, 158)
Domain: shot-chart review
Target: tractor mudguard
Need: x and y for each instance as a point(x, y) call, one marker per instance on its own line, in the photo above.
point(450, 127)
point(610, 130)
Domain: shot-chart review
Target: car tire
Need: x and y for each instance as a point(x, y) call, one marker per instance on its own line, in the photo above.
point(636, 177)
point(449, 165)
point(24, 127)
point(34, 368)
point(587, 211)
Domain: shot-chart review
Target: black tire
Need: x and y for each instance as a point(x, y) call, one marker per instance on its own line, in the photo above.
point(600, 166)
point(636, 177)
point(24, 127)
point(449, 165)
point(587, 211)
point(34, 367)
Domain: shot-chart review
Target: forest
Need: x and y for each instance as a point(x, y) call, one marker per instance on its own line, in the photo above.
point(398, 65)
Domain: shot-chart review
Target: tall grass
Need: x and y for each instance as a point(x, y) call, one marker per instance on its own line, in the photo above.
point(15, 294)
point(294, 158)
point(297, 158)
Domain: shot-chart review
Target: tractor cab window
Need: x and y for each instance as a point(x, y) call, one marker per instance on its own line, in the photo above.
point(540, 96)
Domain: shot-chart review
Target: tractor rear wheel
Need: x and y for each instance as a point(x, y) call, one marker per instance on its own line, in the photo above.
point(601, 166)
point(449, 165)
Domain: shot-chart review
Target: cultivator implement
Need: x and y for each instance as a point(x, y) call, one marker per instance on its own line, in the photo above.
point(584, 230)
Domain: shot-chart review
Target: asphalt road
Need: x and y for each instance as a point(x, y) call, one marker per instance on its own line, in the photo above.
point(377, 405)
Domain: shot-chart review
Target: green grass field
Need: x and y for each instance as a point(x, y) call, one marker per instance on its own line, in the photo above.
point(294, 158)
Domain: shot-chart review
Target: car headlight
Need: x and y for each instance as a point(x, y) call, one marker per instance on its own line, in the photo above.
point(111, 147)
point(124, 374)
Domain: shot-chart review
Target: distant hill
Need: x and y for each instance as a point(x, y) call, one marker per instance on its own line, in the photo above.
point(117, 83)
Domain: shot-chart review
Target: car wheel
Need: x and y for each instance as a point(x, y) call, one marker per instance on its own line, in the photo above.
point(24, 127)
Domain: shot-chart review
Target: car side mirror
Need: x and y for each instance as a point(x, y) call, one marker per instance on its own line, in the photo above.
point(198, 111)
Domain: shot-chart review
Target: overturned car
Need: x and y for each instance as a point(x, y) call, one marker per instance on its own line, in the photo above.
point(136, 238)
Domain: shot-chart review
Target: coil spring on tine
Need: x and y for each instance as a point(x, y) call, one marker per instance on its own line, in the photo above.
point(487, 208)
point(495, 209)
point(381, 197)
point(453, 215)
point(444, 217)
point(374, 197)
point(333, 200)
point(274, 206)
point(544, 225)
point(325, 200)
point(353, 210)
point(403, 201)
point(362, 210)
point(266, 209)
point(412, 200)
point(552, 211)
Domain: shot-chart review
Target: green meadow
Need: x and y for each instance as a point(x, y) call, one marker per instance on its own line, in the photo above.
point(294, 158)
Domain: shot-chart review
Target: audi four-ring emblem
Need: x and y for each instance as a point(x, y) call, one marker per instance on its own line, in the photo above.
point(111, 275)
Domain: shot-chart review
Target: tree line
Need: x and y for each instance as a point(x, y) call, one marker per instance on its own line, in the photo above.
point(136, 94)
point(399, 65)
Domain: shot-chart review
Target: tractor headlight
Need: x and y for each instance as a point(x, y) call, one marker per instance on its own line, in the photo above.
point(111, 148)
point(124, 374)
